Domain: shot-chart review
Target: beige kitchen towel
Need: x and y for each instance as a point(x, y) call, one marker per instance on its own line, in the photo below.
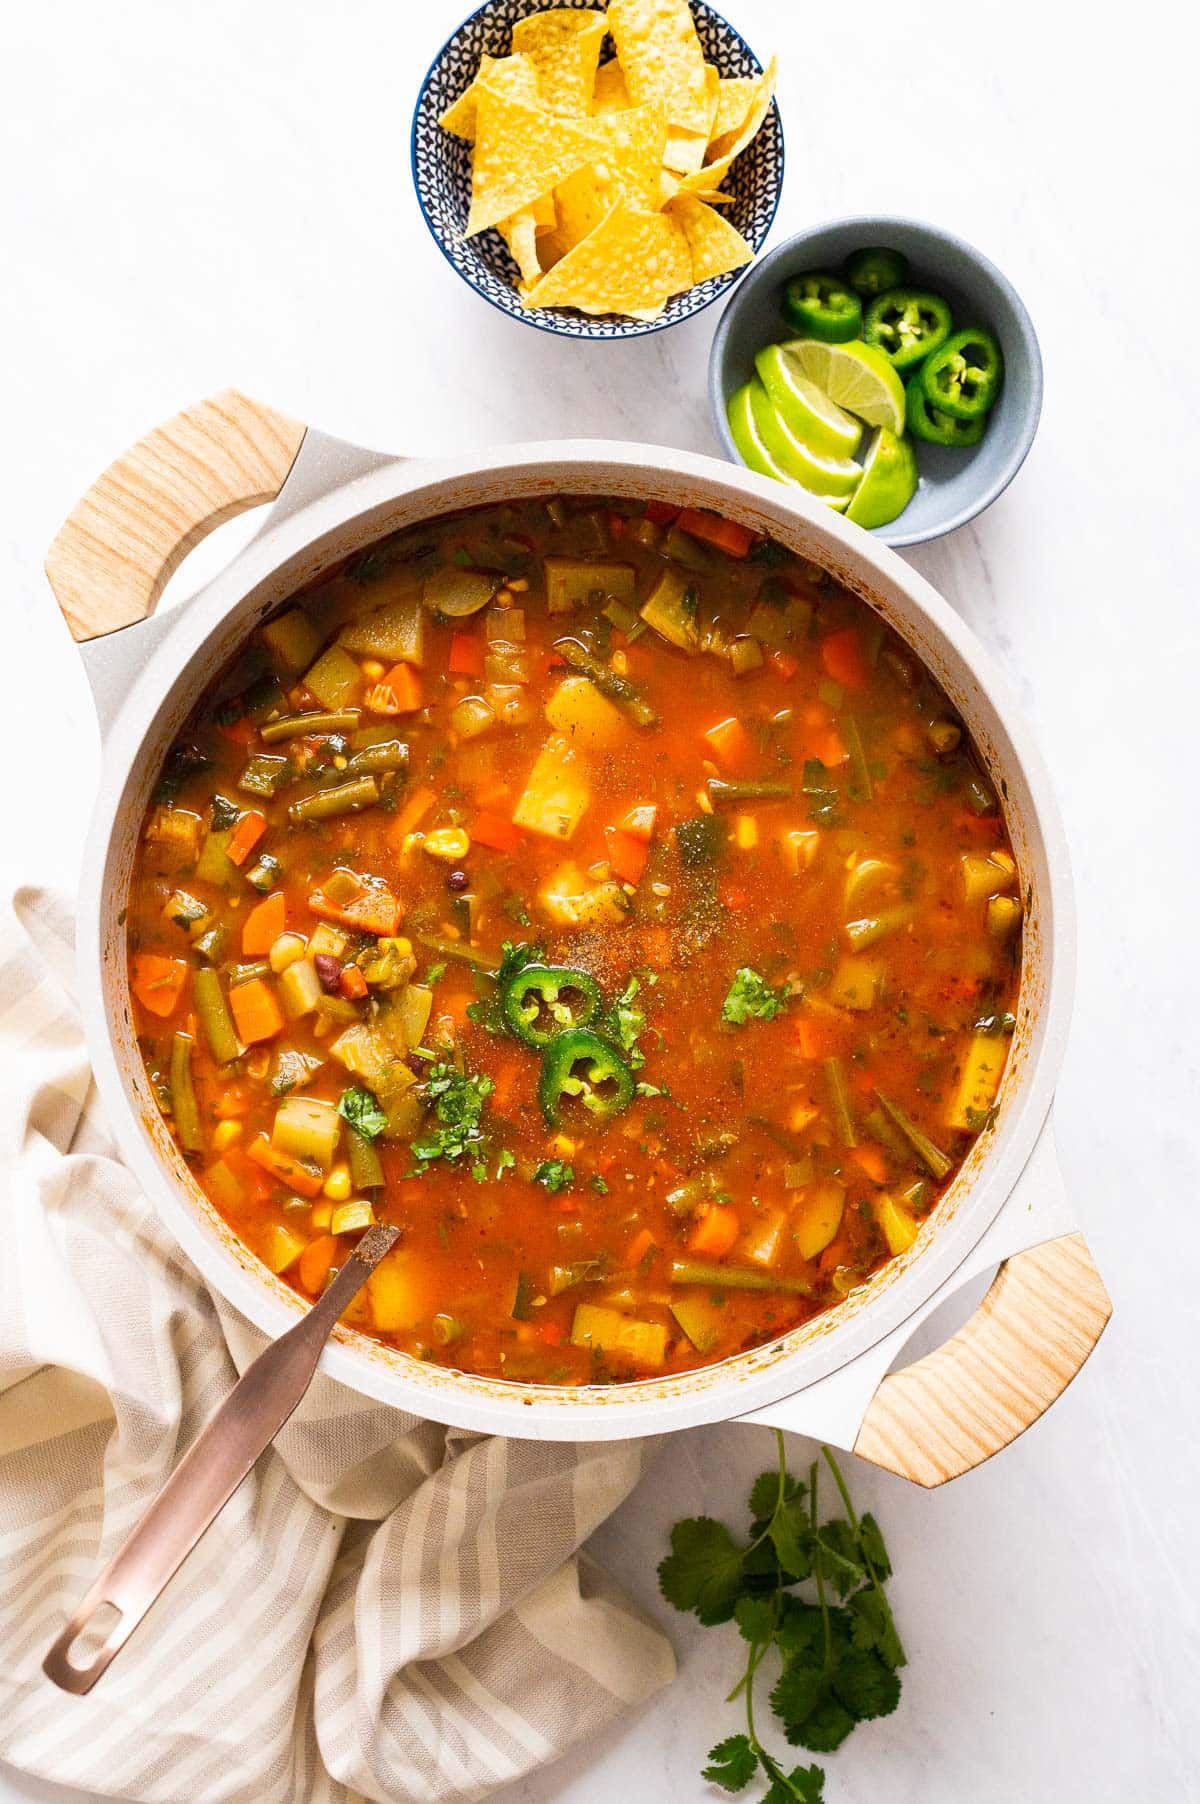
point(387, 1609)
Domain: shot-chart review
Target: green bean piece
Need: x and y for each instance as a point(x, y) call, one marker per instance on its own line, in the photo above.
point(931, 1156)
point(366, 1173)
point(839, 1101)
point(859, 767)
point(881, 1129)
point(215, 1017)
point(211, 944)
point(724, 793)
point(373, 760)
point(783, 1137)
point(297, 726)
point(259, 967)
point(343, 798)
point(735, 1277)
point(480, 961)
point(617, 688)
point(184, 1106)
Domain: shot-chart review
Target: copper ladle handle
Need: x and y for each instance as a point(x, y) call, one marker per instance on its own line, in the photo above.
point(221, 1457)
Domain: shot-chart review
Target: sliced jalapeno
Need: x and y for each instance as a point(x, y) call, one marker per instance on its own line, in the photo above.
point(580, 1067)
point(926, 422)
point(872, 271)
point(907, 324)
point(822, 306)
point(963, 377)
point(545, 1000)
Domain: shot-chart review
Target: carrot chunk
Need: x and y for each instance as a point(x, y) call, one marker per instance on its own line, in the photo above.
point(306, 1180)
point(639, 1246)
point(627, 856)
point(466, 655)
point(374, 911)
point(256, 1014)
point(245, 836)
point(841, 654)
point(494, 831)
point(639, 821)
point(872, 1161)
point(715, 1232)
point(316, 1263)
point(726, 535)
point(730, 741)
point(398, 693)
point(264, 924)
point(158, 982)
point(661, 513)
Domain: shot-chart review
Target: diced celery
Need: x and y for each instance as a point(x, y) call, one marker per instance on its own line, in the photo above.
point(335, 679)
point(395, 633)
point(307, 1129)
point(214, 864)
point(643, 1343)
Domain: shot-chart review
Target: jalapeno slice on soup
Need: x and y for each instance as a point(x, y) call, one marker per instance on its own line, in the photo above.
point(605, 897)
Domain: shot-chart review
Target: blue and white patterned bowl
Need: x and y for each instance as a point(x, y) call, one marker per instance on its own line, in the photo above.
point(441, 167)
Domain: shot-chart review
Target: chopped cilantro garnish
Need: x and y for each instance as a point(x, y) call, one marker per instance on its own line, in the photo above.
point(434, 972)
point(598, 1184)
point(750, 998)
point(361, 1110)
point(554, 1176)
point(458, 1098)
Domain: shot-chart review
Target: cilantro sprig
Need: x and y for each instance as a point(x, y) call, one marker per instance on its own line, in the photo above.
point(458, 1098)
point(839, 1651)
point(751, 998)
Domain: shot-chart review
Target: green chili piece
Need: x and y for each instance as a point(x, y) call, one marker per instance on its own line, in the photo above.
point(343, 798)
point(933, 427)
point(963, 377)
point(184, 1107)
point(823, 306)
point(215, 1017)
point(297, 726)
point(544, 1000)
point(907, 324)
point(870, 272)
point(579, 1066)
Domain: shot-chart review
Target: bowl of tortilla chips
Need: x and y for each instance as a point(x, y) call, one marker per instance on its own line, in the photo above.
point(598, 172)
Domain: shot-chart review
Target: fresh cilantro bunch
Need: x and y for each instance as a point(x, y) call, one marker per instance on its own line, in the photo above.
point(750, 998)
point(838, 1647)
point(458, 1098)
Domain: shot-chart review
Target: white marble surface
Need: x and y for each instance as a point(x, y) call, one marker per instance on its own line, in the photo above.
point(199, 196)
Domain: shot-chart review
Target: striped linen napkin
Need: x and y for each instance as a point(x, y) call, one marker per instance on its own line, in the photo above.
point(387, 1610)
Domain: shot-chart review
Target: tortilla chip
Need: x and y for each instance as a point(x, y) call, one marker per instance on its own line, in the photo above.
point(514, 76)
point(520, 234)
point(633, 260)
point(609, 93)
point(521, 152)
point(662, 59)
point(545, 213)
point(685, 151)
point(714, 173)
point(714, 245)
point(564, 47)
point(626, 169)
point(735, 97)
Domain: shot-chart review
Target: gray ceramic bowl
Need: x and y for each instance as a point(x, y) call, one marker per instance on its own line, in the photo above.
point(955, 485)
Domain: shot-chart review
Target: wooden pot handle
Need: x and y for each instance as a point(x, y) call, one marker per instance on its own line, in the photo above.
point(948, 1412)
point(119, 545)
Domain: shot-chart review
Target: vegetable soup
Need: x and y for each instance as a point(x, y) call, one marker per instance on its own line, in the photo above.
point(605, 897)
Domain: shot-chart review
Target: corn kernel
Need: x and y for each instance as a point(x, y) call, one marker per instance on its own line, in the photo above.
point(450, 843)
point(373, 670)
point(518, 584)
point(503, 598)
point(799, 850)
point(562, 1146)
point(225, 1133)
point(286, 950)
point(321, 1215)
point(619, 664)
point(337, 1185)
point(745, 832)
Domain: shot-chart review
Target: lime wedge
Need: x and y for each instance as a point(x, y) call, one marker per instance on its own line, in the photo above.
point(814, 470)
point(856, 376)
point(751, 449)
point(804, 407)
point(889, 481)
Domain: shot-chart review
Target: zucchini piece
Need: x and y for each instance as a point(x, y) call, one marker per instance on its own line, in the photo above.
point(457, 592)
point(700, 1321)
point(643, 1343)
point(671, 611)
point(571, 581)
point(292, 640)
point(335, 679)
point(395, 633)
point(816, 1220)
point(899, 1228)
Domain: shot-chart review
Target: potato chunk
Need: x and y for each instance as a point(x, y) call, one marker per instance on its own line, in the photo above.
point(557, 791)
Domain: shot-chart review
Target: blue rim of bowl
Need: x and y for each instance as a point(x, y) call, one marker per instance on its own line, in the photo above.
point(630, 328)
point(880, 223)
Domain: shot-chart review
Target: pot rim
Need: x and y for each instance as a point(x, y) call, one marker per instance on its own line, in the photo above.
point(164, 668)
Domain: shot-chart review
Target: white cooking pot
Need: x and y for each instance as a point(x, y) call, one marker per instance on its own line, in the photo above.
point(1046, 1307)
